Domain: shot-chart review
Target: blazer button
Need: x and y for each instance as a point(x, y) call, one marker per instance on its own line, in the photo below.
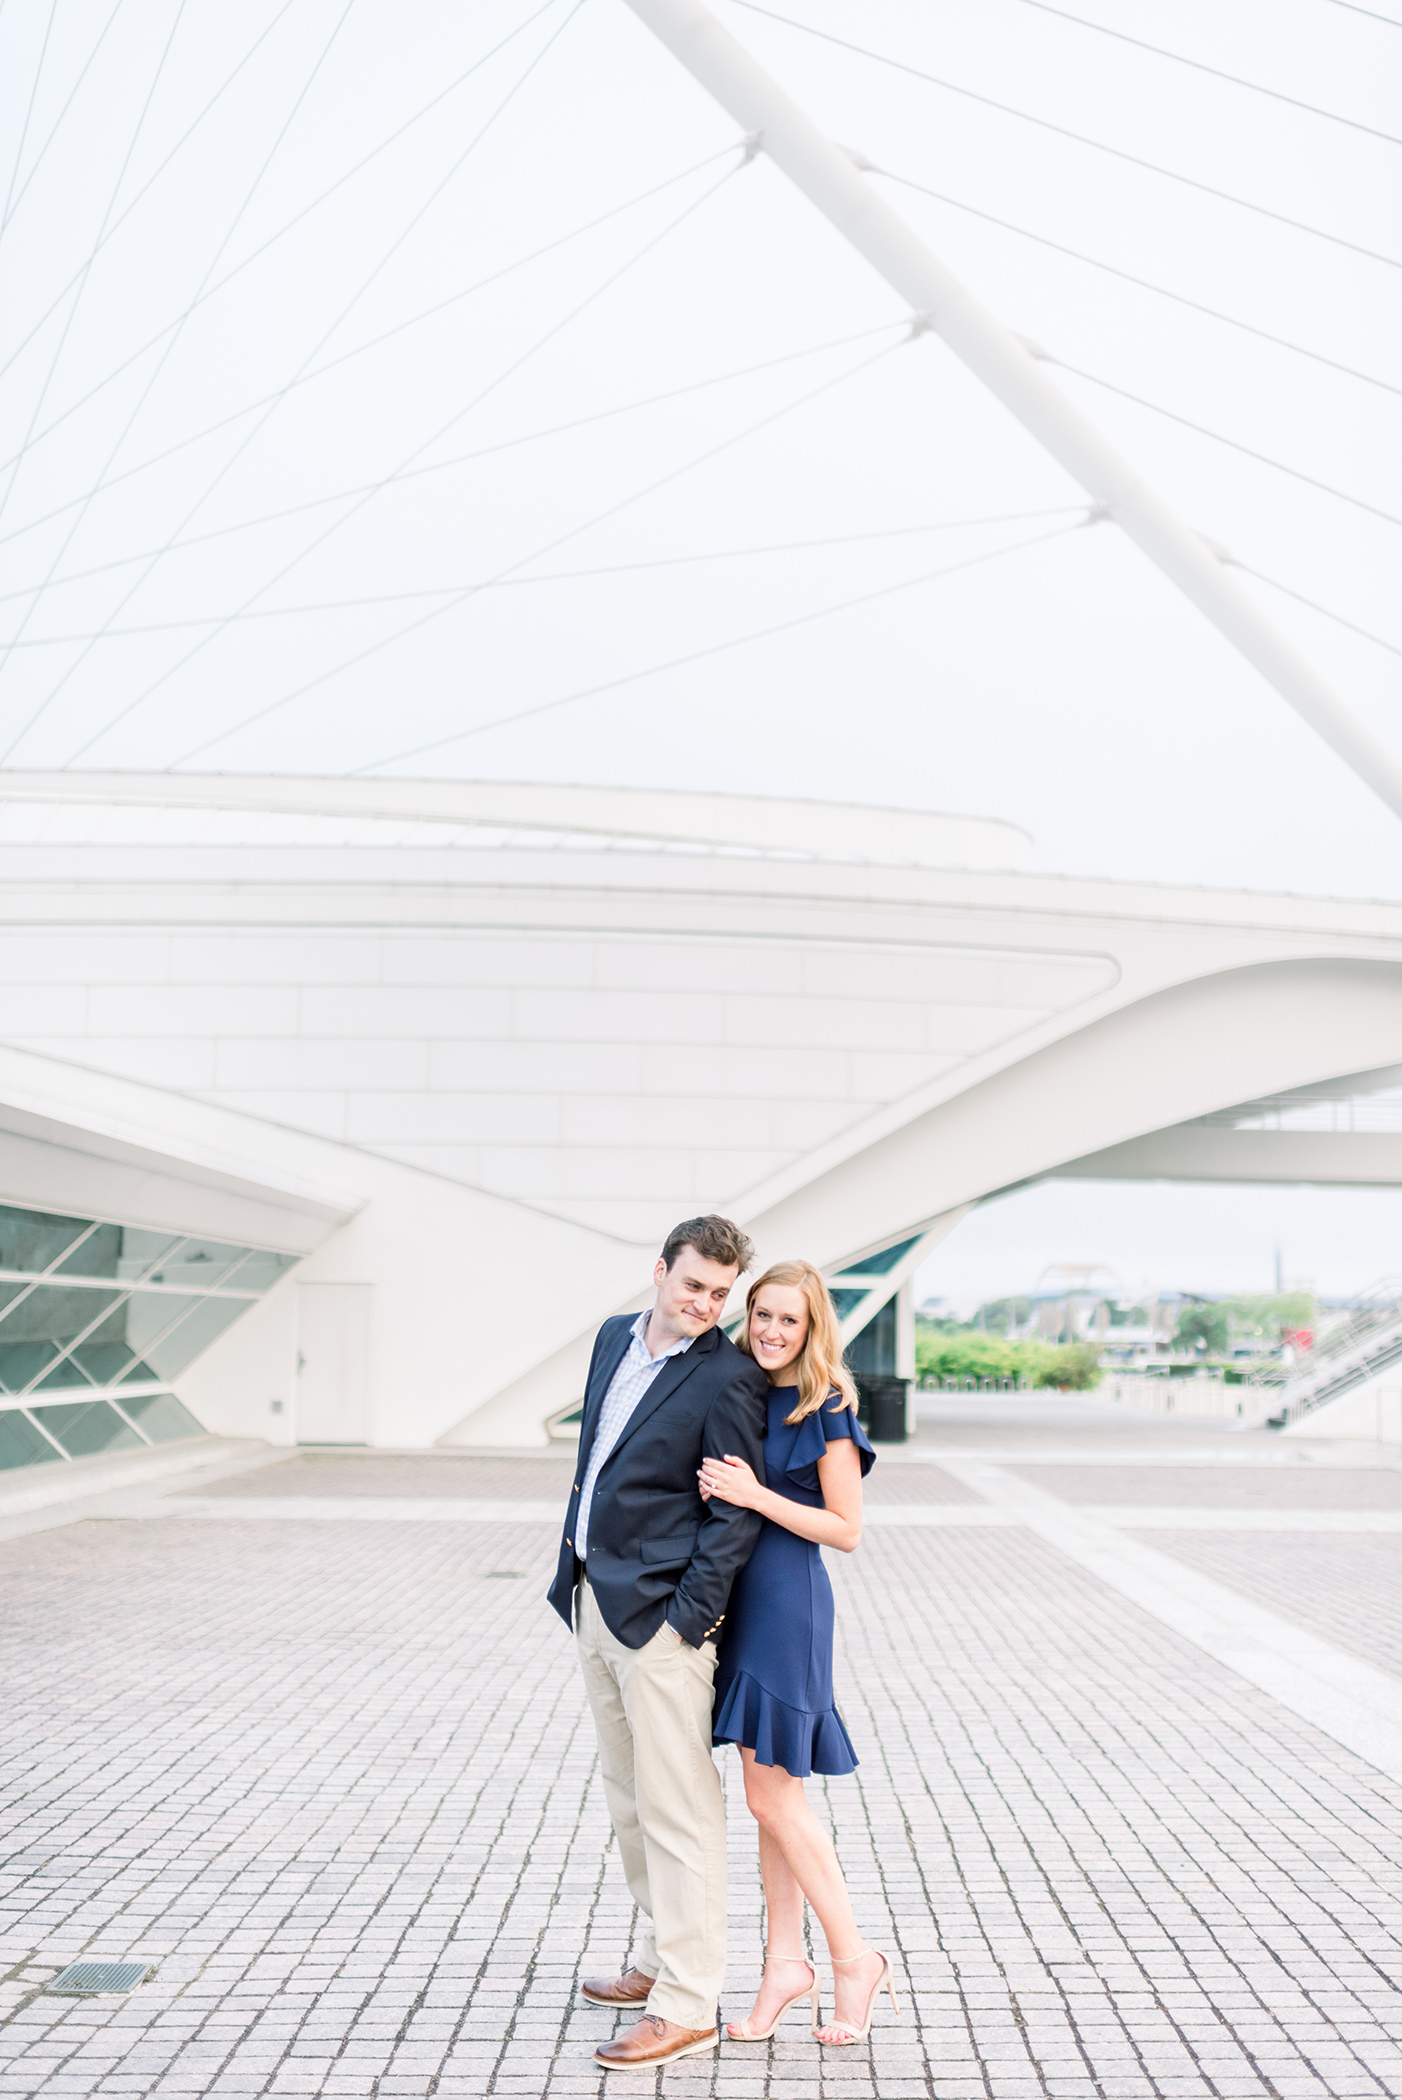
point(569, 1542)
point(576, 1490)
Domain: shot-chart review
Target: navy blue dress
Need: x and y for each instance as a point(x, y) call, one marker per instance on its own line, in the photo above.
point(774, 1675)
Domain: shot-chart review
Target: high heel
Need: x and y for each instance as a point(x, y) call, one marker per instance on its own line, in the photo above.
point(850, 2033)
point(739, 2030)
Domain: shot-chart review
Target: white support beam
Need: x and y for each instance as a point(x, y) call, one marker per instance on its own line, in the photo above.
point(883, 1285)
point(831, 180)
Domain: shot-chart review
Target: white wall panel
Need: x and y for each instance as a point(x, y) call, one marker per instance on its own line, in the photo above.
point(185, 1063)
point(205, 1009)
point(280, 957)
point(966, 1029)
point(53, 956)
point(322, 1062)
point(884, 1075)
point(29, 1010)
point(503, 959)
point(408, 1010)
point(626, 1017)
point(323, 1115)
point(805, 1070)
point(464, 1119)
point(837, 1023)
point(537, 1068)
point(604, 1119)
point(687, 965)
point(797, 1125)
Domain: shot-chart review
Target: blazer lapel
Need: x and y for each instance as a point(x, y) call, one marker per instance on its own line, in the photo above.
point(665, 1384)
point(611, 1358)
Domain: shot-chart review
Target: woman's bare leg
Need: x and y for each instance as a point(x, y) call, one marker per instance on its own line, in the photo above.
point(797, 1859)
point(783, 1907)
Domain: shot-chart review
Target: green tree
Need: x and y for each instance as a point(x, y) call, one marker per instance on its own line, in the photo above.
point(1273, 1311)
point(1206, 1329)
point(965, 1353)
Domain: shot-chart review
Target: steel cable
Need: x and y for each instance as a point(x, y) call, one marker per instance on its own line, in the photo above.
point(739, 641)
point(537, 554)
point(388, 480)
point(154, 377)
point(1080, 138)
point(213, 291)
point(15, 198)
point(458, 459)
point(334, 364)
point(1198, 65)
point(1145, 284)
point(148, 185)
point(242, 447)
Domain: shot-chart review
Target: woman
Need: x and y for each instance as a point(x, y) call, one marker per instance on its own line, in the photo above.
point(774, 1677)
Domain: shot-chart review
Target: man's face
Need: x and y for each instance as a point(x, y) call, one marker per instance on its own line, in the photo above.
point(691, 1294)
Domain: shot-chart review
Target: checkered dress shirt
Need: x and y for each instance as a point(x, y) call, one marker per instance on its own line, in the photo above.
point(630, 1381)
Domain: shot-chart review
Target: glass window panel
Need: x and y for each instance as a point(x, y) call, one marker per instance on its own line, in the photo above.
point(199, 1265)
point(104, 1362)
point(64, 1373)
point(8, 1294)
point(97, 1255)
point(880, 1264)
point(162, 1417)
point(258, 1271)
point(84, 1427)
point(21, 1444)
point(142, 1251)
point(51, 1313)
point(166, 1355)
point(145, 1316)
point(41, 1324)
point(21, 1363)
point(106, 1354)
point(31, 1239)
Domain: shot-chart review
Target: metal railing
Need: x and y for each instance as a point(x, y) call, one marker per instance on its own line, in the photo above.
point(1365, 1341)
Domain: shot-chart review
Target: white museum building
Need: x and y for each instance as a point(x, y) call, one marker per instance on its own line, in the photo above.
point(342, 1111)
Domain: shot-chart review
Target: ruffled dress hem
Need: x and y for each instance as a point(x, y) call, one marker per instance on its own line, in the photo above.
point(801, 1742)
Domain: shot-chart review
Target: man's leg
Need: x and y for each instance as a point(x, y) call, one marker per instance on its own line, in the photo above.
point(666, 1691)
point(597, 1650)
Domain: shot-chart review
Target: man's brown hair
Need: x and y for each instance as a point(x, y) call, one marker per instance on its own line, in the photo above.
point(715, 1239)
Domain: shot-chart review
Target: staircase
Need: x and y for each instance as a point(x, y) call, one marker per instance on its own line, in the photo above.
point(1367, 1340)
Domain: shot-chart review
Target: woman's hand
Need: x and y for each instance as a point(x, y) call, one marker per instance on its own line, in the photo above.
point(731, 1480)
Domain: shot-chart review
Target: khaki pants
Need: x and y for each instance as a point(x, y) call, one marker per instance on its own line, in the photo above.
point(652, 1711)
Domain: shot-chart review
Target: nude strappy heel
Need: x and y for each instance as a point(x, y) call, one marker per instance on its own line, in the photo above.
point(739, 2030)
point(849, 2033)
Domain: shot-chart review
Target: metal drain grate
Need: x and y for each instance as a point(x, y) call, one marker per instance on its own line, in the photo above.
point(84, 1979)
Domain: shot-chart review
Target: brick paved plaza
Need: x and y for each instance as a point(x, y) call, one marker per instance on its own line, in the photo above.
point(304, 1736)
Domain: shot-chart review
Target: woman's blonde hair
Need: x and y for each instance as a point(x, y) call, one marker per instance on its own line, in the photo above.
point(818, 1370)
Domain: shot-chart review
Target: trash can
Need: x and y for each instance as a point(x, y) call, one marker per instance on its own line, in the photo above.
point(881, 1406)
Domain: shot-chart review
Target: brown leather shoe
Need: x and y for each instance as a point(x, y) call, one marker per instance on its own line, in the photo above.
point(654, 2041)
point(631, 1988)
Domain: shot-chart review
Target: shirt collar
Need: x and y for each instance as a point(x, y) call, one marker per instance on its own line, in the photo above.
point(678, 1348)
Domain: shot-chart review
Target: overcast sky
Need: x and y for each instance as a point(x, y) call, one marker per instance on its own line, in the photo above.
point(282, 354)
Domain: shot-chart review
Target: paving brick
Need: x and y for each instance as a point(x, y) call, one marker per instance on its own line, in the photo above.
point(336, 1779)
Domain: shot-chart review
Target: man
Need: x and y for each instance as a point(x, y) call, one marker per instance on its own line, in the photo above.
point(647, 1567)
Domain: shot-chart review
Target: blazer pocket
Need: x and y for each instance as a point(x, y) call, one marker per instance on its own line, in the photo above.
point(680, 1546)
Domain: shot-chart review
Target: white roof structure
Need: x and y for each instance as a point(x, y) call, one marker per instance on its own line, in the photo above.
point(467, 1051)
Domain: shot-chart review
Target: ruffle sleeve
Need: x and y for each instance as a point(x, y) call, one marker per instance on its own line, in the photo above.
point(811, 1439)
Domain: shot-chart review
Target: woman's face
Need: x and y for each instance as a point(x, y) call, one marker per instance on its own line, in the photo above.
point(778, 1327)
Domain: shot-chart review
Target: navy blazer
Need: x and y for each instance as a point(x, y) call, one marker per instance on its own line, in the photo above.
point(656, 1550)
